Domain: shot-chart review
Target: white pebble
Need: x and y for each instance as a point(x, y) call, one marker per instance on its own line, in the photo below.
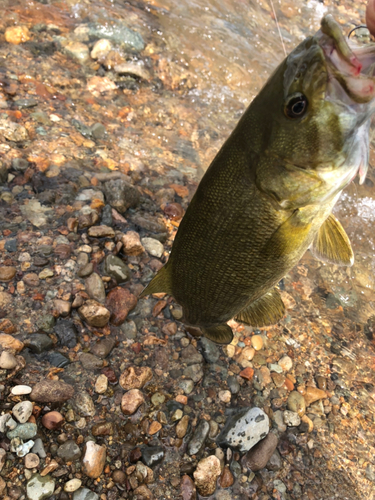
point(20, 390)
point(72, 485)
point(153, 247)
point(22, 411)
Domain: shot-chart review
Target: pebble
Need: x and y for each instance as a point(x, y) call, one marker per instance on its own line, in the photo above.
point(194, 372)
point(46, 273)
point(66, 332)
point(307, 424)
point(245, 356)
point(190, 355)
point(51, 391)
point(101, 384)
point(7, 361)
point(211, 352)
point(153, 247)
point(9, 342)
point(131, 401)
point(31, 280)
point(101, 48)
point(52, 420)
point(83, 404)
point(90, 362)
point(226, 478)
point(22, 411)
point(120, 302)
point(62, 307)
point(244, 429)
point(121, 195)
point(79, 51)
point(257, 458)
point(206, 474)
point(23, 431)
point(257, 342)
point(154, 428)
point(275, 368)
point(291, 418)
point(152, 455)
point(182, 426)
point(117, 269)
point(85, 494)
point(313, 394)
point(135, 377)
point(72, 485)
point(31, 461)
point(17, 34)
point(188, 489)
point(7, 273)
point(199, 437)
point(7, 423)
point(102, 429)
point(94, 313)
point(296, 402)
point(186, 385)
point(39, 488)
point(94, 459)
point(38, 448)
point(21, 390)
point(103, 347)
point(286, 363)
point(39, 342)
point(95, 288)
point(225, 396)
point(69, 451)
point(132, 243)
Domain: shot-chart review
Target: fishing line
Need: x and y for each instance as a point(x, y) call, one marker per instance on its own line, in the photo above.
point(278, 27)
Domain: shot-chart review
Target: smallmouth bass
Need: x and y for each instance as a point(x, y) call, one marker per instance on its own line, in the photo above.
point(268, 195)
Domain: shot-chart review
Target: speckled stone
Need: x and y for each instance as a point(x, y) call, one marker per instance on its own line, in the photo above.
point(22, 411)
point(206, 474)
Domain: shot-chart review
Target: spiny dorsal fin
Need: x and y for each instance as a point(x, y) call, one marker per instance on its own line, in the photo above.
point(265, 311)
point(331, 244)
point(221, 334)
point(159, 283)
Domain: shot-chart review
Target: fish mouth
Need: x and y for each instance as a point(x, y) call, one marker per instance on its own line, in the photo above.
point(350, 64)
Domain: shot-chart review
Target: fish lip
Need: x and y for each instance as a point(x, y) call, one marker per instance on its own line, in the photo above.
point(352, 65)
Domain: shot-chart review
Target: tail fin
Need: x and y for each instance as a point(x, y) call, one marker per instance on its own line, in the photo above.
point(159, 283)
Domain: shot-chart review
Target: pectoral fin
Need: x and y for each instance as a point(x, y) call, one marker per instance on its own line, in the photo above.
point(159, 283)
point(265, 311)
point(332, 244)
point(221, 334)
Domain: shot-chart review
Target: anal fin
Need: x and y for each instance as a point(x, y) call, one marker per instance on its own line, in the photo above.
point(331, 244)
point(220, 334)
point(159, 283)
point(265, 311)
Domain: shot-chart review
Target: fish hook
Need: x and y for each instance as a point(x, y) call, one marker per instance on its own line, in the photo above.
point(356, 28)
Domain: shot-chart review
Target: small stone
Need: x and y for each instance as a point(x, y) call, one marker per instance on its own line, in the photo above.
point(39, 488)
point(143, 492)
point(66, 332)
point(46, 273)
point(95, 288)
point(188, 490)
point(257, 458)
point(9, 342)
point(120, 302)
point(190, 355)
point(101, 232)
point(313, 394)
point(94, 459)
point(31, 461)
point(182, 426)
point(244, 429)
point(194, 372)
point(226, 478)
point(121, 195)
point(101, 48)
point(94, 313)
point(291, 418)
point(307, 424)
point(78, 51)
point(225, 396)
point(62, 307)
point(83, 404)
point(52, 465)
point(247, 373)
point(21, 390)
point(199, 437)
point(17, 34)
point(72, 485)
point(153, 247)
point(257, 342)
point(131, 401)
point(69, 451)
point(132, 243)
point(119, 477)
point(85, 494)
point(7, 273)
point(154, 428)
point(186, 385)
point(296, 402)
point(7, 361)
point(22, 411)
point(274, 463)
point(102, 429)
point(31, 280)
point(51, 391)
point(245, 356)
point(101, 384)
point(286, 363)
point(38, 448)
point(39, 342)
point(23, 431)
point(117, 269)
point(206, 474)
point(135, 377)
point(52, 420)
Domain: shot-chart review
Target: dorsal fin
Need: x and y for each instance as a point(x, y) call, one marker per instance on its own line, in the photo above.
point(265, 311)
point(331, 244)
point(159, 283)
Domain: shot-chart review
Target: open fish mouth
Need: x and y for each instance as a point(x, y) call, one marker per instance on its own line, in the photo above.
point(350, 64)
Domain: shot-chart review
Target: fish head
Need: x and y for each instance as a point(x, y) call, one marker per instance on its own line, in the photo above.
point(315, 128)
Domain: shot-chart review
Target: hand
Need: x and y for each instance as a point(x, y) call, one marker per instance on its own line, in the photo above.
point(370, 16)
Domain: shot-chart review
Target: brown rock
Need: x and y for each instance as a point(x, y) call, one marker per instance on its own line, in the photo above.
point(31, 461)
point(63, 251)
point(7, 273)
point(5, 300)
point(7, 326)
point(226, 479)
point(31, 280)
point(257, 458)
point(17, 34)
point(94, 313)
point(7, 361)
point(174, 211)
point(52, 420)
point(102, 429)
point(132, 243)
point(51, 391)
point(53, 465)
point(154, 428)
point(120, 302)
point(62, 307)
point(182, 426)
point(135, 377)
point(131, 401)
point(143, 492)
point(188, 490)
point(9, 342)
point(247, 373)
point(94, 459)
point(101, 232)
point(119, 477)
point(206, 474)
point(313, 394)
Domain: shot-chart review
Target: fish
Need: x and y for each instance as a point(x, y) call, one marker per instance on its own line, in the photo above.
point(268, 195)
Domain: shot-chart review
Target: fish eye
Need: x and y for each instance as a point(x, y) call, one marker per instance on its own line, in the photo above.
point(296, 106)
